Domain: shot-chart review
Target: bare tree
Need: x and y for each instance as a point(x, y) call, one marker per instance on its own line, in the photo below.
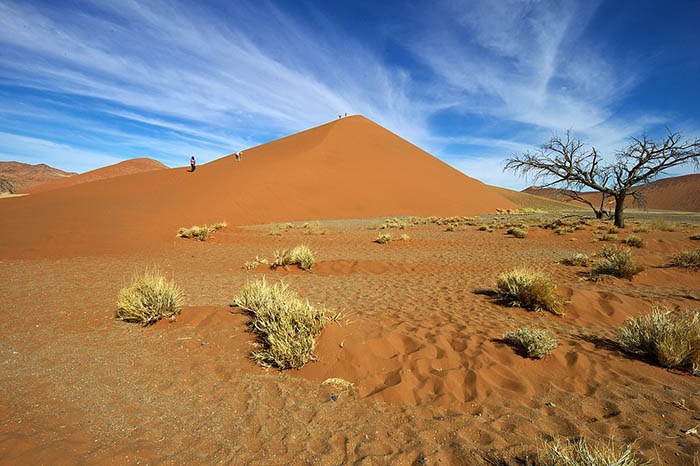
point(568, 165)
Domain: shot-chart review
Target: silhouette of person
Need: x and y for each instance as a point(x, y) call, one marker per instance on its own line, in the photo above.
point(238, 155)
point(193, 163)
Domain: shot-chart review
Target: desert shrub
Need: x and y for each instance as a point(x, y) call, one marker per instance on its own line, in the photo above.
point(148, 298)
point(617, 262)
point(299, 255)
point(667, 337)
point(405, 237)
point(695, 237)
point(577, 260)
point(641, 228)
point(613, 230)
point(687, 259)
point(529, 289)
point(251, 265)
point(564, 230)
point(287, 326)
point(200, 233)
point(579, 452)
point(483, 228)
point(218, 226)
point(601, 228)
point(661, 224)
point(634, 241)
point(535, 343)
point(396, 222)
point(607, 237)
point(450, 228)
point(383, 238)
point(517, 232)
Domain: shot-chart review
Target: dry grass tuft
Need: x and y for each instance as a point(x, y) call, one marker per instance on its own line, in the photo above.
point(667, 337)
point(607, 237)
point(580, 453)
point(634, 241)
point(695, 237)
point(529, 289)
point(641, 228)
point(517, 232)
point(577, 260)
point(299, 255)
point(564, 230)
point(535, 343)
point(148, 298)
point(661, 224)
point(200, 233)
point(405, 237)
point(617, 262)
point(286, 325)
point(252, 265)
point(383, 238)
point(687, 259)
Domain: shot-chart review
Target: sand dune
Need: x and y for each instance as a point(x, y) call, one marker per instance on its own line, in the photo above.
point(127, 167)
point(350, 168)
point(24, 176)
point(678, 193)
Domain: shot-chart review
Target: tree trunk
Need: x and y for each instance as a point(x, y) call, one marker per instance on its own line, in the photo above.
point(620, 210)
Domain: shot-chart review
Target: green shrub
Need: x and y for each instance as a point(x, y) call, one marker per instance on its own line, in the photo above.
point(383, 238)
point(286, 325)
point(299, 255)
point(517, 232)
point(535, 343)
point(687, 259)
point(577, 260)
point(617, 262)
point(667, 337)
point(148, 298)
point(529, 289)
point(634, 241)
point(580, 453)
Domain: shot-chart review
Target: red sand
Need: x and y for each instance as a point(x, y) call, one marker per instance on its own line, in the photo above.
point(350, 168)
point(127, 167)
point(23, 175)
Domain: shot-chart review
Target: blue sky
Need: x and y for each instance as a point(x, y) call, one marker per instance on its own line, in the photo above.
point(86, 84)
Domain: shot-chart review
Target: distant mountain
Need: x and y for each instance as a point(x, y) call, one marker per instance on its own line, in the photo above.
point(23, 176)
point(679, 193)
point(6, 186)
point(127, 167)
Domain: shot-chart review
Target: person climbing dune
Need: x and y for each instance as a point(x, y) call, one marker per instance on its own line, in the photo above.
point(193, 164)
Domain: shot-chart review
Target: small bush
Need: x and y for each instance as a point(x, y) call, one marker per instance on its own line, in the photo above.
point(483, 228)
point(577, 260)
point(535, 343)
point(450, 228)
point(617, 262)
point(286, 325)
point(405, 237)
point(517, 232)
point(613, 230)
point(148, 298)
point(564, 230)
point(695, 237)
point(661, 224)
point(580, 453)
point(634, 241)
point(200, 233)
point(687, 259)
point(529, 289)
point(607, 237)
point(669, 338)
point(300, 255)
point(383, 238)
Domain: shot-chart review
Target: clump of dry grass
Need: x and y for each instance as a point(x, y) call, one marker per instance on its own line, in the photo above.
point(660, 224)
point(667, 337)
point(634, 241)
point(252, 265)
point(275, 232)
point(613, 230)
point(535, 343)
point(529, 289)
point(607, 237)
point(617, 262)
point(383, 238)
point(287, 326)
point(484, 228)
point(641, 228)
point(405, 237)
point(695, 237)
point(577, 260)
point(564, 230)
point(517, 232)
point(148, 298)
point(579, 452)
point(687, 259)
point(301, 256)
point(201, 233)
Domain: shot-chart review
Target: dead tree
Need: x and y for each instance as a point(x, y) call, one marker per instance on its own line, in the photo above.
point(568, 165)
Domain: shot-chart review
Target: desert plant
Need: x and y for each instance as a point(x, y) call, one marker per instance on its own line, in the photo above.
point(405, 237)
point(641, 228)
point(299, 255)
point(148, 298)
point(483, 228)
point(275, 232)
point(687, 259)
point(613, 230)
point(579, 452)
point(251, 265)
point(529, 289)
point(383, 238)
point(450, 228)
point(517, 232)
point(667, 337)
point(535, 343)
point(577, 260)
point(634, 241)
point(617, 262)
point(607, 237)
point(564, 230)
point(660, 224)
point(695, 237)
point(200, 233)
point(287, 326)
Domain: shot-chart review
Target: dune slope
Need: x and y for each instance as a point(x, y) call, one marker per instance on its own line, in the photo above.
point(350, 168)
point(127, 167)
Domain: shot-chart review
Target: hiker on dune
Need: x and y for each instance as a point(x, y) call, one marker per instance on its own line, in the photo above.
point(193, 163)
point(238, 155)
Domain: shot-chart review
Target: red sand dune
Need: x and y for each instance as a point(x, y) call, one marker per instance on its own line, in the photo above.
point(350, 168)
point(127, 167)
point(679, 193)
point(24, 176)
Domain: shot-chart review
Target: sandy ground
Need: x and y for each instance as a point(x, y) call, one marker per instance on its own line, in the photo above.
point(431, 383)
